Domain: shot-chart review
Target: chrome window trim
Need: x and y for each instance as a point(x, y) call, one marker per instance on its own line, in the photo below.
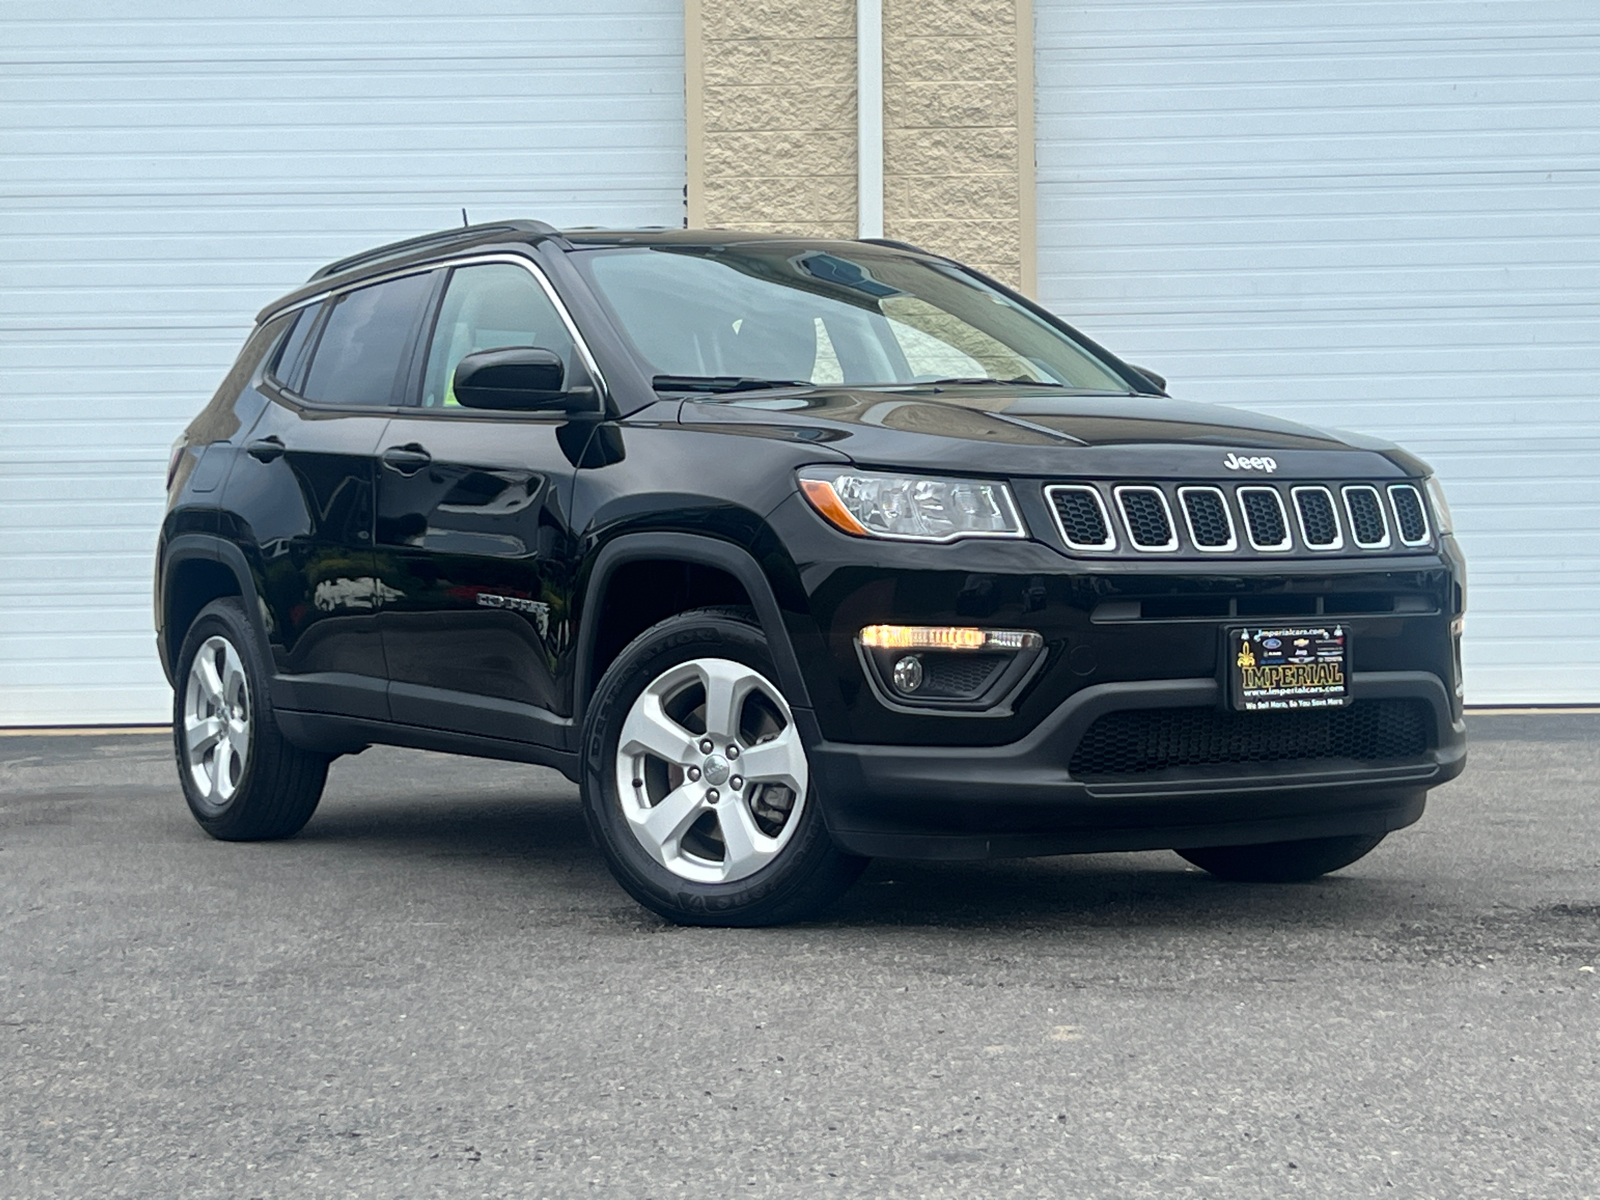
point(1383, 516)
point(469, 260)
point(1127, 525)
point(1300, 517)
point(1110, 543)
point(1227, 512)
point(1422, 507)
point(1283, 513)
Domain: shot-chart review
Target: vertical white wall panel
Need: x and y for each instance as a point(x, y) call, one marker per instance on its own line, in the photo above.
point(168, 167)
point(1367, 215)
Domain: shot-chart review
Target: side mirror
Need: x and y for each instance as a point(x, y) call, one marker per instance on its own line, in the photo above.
point(514, 377)
point(1150, 376)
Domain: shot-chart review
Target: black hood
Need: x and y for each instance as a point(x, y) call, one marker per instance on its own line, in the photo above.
point(1027, 431)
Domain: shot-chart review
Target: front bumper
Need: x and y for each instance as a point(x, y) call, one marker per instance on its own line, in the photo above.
point(1016, 799)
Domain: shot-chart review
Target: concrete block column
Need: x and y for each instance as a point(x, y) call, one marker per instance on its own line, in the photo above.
point(771, 89)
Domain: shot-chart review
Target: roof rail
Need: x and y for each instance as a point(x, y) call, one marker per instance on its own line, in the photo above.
point(894, 245)
point(444, 237)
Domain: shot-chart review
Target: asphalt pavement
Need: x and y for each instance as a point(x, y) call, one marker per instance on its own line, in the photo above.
point(437, 990)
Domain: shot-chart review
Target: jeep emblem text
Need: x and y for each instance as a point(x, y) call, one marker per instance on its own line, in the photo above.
point(1234, 463)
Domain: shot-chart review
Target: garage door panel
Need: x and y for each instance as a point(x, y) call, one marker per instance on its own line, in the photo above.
point(1373, 216)
point(168, 168)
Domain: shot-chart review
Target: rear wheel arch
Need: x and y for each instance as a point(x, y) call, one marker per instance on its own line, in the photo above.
point(197, 570)
point(696, 572)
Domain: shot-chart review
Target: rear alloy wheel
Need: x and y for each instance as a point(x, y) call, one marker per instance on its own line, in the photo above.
point(697, 783)
point(1283, 862)
point(242, 779)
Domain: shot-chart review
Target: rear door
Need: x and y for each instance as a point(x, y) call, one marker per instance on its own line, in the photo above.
point(303, 493)
point(473, 544)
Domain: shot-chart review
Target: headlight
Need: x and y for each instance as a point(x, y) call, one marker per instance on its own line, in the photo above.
point(914, 508)
point(1441, 510)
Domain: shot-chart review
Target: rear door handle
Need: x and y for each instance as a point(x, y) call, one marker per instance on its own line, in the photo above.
point(265, 449)
point(407, 459)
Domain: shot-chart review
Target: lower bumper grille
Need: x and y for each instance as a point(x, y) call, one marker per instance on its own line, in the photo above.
point(1140, 741)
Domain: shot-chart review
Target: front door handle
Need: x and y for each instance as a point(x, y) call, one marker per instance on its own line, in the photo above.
point(265, 449)
point(407, 459)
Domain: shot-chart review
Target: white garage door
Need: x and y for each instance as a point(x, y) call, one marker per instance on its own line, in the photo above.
point(166, 168)
point(1379, 216)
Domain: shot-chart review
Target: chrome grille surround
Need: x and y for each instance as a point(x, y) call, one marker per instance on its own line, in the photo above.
point(1364, 509)
point(1061, 494)
point(1135, 522)
point(1195, 496)
point(1188, 516)
point(1402, 498)
point(1309, 496)
point(1254, 518)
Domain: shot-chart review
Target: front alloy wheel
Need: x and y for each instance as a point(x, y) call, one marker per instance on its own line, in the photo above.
point(696, 783)
point(711, 772)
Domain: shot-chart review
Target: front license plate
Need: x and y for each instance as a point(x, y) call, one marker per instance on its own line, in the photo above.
point(1282, 668)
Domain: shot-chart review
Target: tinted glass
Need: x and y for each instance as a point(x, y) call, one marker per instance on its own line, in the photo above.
point(358, 357)
point(490, 307)
point(287, 361)
point(850, 315)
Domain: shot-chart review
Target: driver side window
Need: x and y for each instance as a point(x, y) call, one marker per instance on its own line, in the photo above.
point(490, 307)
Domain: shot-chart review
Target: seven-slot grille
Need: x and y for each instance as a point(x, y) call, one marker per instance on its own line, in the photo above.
point(1243, 518)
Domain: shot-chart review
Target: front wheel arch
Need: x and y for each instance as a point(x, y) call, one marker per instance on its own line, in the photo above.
point(682, 549)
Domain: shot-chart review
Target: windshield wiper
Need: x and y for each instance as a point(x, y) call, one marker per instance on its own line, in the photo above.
point(1017, 382)
point(722, 383)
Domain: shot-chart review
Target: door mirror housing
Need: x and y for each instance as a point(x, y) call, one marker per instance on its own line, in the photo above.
point(517, 378)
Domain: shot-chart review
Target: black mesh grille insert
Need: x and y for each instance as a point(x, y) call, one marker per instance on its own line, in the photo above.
point(1082, 520)
point(1140, 741)
point(958, 674)
point(1263, 514)
point(1408, 513)
point(1318, 520)
point(1366, 516)
point(1208, 517)
point(1148, 525)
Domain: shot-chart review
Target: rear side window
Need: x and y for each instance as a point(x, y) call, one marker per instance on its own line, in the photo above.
point(358, 359)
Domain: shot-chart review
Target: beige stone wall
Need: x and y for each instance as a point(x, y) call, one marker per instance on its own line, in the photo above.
point(776, 114)
point(955, 129)
point(772, 123)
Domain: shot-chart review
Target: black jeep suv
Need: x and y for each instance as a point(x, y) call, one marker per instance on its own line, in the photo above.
point(792, 553)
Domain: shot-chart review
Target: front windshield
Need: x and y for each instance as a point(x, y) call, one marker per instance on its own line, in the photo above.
point(846, 314)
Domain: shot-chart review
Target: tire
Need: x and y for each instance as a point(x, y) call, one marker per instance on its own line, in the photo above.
point(1283, 862)
point(685, 834)
point(242, 780)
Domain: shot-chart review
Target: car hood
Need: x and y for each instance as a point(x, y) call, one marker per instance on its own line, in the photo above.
point(1029, 431)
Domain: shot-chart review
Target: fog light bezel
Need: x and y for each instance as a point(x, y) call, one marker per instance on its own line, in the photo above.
point(881, 647)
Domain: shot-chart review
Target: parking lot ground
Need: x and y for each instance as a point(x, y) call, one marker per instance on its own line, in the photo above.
point(437, 990)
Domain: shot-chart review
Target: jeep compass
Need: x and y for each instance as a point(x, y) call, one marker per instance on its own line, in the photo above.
point(792, 553)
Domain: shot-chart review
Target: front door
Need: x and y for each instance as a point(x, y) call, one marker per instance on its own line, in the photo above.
point(472, 535)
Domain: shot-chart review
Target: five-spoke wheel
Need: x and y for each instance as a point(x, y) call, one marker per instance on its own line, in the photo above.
point(216, 722)
point(242, 779)
point(711, 771)
point(696, 780)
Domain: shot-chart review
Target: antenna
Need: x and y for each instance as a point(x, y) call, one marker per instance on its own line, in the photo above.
point(464, 223)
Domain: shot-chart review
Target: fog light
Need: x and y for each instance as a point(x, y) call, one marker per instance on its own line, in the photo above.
point(908, 673)
point(947, 637)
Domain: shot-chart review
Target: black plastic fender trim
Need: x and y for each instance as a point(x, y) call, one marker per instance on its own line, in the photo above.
point(705, 551)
